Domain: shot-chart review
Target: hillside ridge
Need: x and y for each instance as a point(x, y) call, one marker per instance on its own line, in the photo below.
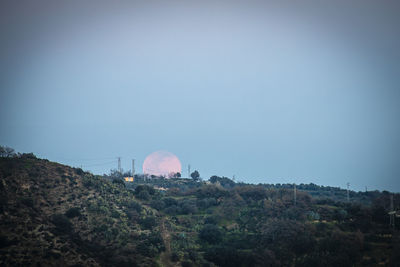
point(53, 214)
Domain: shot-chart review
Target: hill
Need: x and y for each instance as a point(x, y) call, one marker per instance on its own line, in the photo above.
point(52, 214)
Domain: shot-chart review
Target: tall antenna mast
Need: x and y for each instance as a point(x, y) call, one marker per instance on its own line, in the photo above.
point(189, 171)
point(348, 194)
point(133, 168)
point(119, 164)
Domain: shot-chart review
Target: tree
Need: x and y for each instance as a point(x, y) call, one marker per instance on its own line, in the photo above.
point(63, 225)
point(73, 212)
point(6, 151)
point(143, 195)
point(224, 181)
point(195, 175)
point(174, 175)
point(211, 233)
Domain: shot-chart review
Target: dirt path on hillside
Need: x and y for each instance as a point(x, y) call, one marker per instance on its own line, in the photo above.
point(165, 256)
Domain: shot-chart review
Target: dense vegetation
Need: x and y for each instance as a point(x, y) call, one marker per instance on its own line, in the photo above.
point(53, 214)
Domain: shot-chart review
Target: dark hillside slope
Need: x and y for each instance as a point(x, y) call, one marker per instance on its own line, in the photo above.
point(51, 214)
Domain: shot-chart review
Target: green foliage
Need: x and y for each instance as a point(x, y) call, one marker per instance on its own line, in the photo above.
point(148, 222)
point(211, 191)
point(223, 181)
point(206, 203)
point(222, 224)
point(28, 156)
point(228, 256)
point(143, 195)
point(211, 234)
point(173, 210)
point(188, 207)
point(63, 225)
point(133, 205)
point(157, 204)
point(73, 212)
point(252, 193)
point(169, 201)
point(195, 175)
point(147, 188)
point(115, 214)
point(211, 220)
point(7, 152)
point(119, 182)
point(27, 201)
point(59, 170)
point(79, 171)
point(151, 245)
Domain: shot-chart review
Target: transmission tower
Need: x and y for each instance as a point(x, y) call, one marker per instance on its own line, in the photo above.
point(348, 194)
point(189, 171)
point(119, 164)
point(133, 168)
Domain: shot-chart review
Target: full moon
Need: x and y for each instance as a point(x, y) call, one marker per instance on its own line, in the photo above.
point(161, 163)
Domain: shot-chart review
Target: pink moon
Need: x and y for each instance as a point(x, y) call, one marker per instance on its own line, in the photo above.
point(161, 163)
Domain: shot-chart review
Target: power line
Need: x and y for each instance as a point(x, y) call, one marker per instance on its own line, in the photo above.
point(83, 159)
point(99, 164)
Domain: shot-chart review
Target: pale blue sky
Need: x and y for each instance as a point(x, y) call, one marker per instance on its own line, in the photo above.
point(269, 93)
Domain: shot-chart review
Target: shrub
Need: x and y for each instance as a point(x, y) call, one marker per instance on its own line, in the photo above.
point(28, 156)
point(174, 257)
point(73, 212)
point(59, 170)
point(141, 188)
point(187, 264)
point(211, 220)
point(148, 222)
point(188, 208)
point(206, 203)
point(115, 214)
point(79, 171)
point(27, 201)
point(211, 234)
point(157, 204)
point(119, 182)
point(133, 205)
point(144, 195)
point(63, 225)
point(173, 210)
point(169, 201)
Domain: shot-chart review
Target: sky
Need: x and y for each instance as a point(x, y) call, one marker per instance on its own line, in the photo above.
point(268, 92)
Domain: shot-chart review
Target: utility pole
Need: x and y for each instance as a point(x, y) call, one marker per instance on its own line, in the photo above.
point(189, 171)
point(295, 194)
point(133, 169)
point(119, 164)
point(348, 194)
point(392, 213)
